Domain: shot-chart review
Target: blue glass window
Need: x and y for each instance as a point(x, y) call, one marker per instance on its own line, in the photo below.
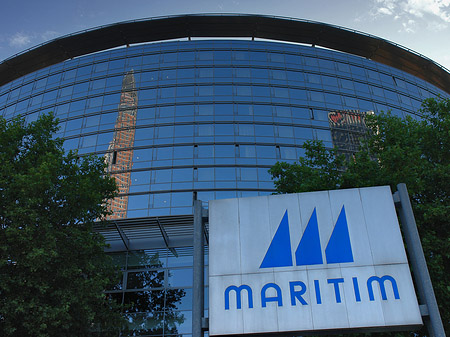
point(184, 110)
point(261, 91)
point(205, 72)
point(186, 73)
point(150, 59)
point(225, 173)
point(285, 131)
point(184, 130)
point(169, 74)
point(205, 90)
point(224, 151)
point(162, 176)
point(205, 174)
point(165, 132)
point(329, 81)
point(280, 92)
point(146, 133)
point(181, 199)
point(246, 130)
point(222, 72)
point(205, 151)
point(206, 130)
point(184, 174)
point(138, 202)
point(224, 129)
point(258, 56)
point(324, 135)
point(263, 174)
point(187, 91)
point(223, 90)
point(283, 111)
point(180, 152)
point(263, 151)
point(316, 96)
point(150, 76)
point(260, 73)
point(248, 151)
point(304, 133)
point(249, 173)
point(167, 92)
point(288, 153)
point(278, 74)
point(242, 72)
point(243, 90)
point(163, 153)
point(142, 155)
point(223, 109)
point(206, 109)
point(140, 178)
point(161, 200)
point(244, 109)
point(264, 130)
point(263, 110)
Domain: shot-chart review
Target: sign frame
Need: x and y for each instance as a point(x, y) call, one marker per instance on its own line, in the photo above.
point(388, 269)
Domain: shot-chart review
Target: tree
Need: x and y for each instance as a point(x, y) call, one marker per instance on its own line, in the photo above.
point(53, 268)
point(415, 152)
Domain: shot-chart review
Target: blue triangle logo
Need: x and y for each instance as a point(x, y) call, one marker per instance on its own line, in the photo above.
point(309, 251)
point(339, 249)
point(279, 253)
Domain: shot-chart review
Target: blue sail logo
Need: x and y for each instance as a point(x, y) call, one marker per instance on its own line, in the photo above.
point(309, 251)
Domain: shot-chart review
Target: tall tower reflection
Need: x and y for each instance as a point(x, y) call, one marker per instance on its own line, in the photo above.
point(348, 128)
point(119, 157)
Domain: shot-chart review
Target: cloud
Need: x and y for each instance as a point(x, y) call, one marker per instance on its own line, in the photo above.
point(19, 40)
point(48, 35)
point(386, 7)
point(438, 8)
point(25, 40)
point(408, 26)
point(436, 26)
point(435, 14)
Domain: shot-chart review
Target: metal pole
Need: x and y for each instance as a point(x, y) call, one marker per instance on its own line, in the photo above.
point(199, 267)
point(418, 262)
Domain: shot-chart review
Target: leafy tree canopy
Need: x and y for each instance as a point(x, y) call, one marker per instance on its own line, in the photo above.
point(415, 152)
point(53, 268)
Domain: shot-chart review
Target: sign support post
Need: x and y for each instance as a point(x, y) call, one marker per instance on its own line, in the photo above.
point(198, 273)
point(418, 262)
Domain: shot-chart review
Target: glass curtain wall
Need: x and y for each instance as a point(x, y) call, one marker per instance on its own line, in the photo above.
point(207, 116)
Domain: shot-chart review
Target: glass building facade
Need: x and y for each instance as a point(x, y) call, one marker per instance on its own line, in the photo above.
point(210, 116)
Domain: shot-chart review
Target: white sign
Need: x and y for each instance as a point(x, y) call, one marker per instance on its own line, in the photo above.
point(307, 262)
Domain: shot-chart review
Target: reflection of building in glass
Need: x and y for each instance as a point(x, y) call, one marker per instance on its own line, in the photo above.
point(212, 117)
point(120, 151)
point(348, 128)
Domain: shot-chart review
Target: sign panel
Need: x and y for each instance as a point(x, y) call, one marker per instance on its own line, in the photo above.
point(311, 261)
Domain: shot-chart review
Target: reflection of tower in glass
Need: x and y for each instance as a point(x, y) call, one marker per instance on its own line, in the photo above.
point(348, 127)
point(120, 151)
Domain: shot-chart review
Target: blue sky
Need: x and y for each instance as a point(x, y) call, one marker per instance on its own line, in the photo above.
point(421, 25)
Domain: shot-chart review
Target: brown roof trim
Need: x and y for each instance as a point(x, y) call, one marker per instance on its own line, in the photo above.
point(224, 25)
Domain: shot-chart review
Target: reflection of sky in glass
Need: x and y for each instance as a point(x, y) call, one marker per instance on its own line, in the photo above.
point(191, 99)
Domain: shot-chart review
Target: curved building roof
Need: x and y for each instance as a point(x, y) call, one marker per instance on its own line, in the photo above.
point(229, 25)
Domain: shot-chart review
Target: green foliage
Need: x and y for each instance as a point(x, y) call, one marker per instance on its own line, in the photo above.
point(407, 151)
point(53, 268)
point(319, 169)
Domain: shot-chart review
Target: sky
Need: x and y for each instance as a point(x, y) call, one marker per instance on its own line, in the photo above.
point(420, 25)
